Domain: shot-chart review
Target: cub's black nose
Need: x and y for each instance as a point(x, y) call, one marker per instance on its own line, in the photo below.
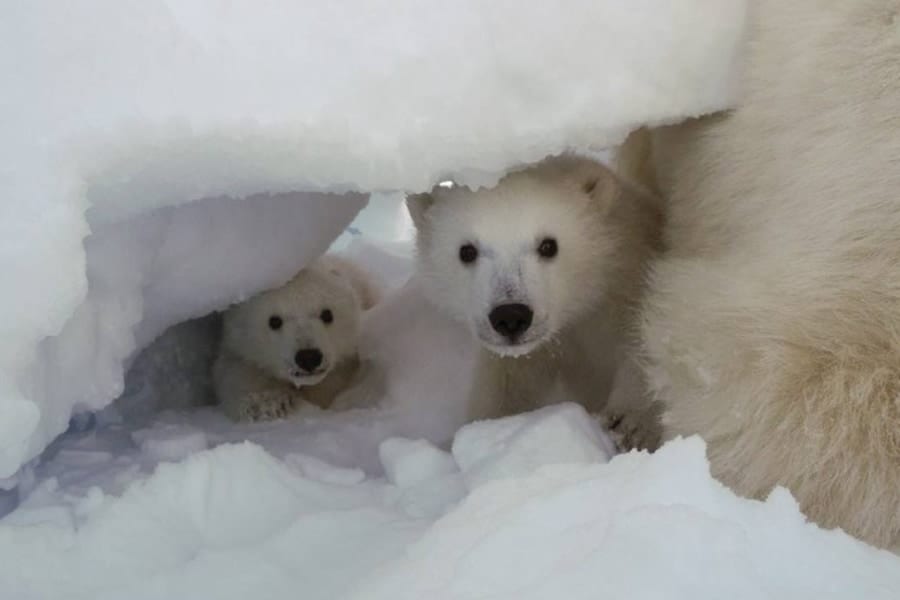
point(511, 320)
point(308, 359)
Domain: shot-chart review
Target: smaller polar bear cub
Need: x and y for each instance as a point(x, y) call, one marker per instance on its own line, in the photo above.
point(297, 342)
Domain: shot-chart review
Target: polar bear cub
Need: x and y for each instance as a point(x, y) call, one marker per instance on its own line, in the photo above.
point(545, 270)
point(294, 343)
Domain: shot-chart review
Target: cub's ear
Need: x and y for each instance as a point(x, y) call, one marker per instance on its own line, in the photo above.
point(354, 277)
point(590, 183)
point(418, 205)
point(602, 186)
point(594, 180)
point(581, 174)
point(366, 291)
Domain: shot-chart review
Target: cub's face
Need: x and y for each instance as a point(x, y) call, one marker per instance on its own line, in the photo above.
point(518, 263)
point(299, 332)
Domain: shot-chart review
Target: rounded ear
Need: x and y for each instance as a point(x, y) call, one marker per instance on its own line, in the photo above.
point(586, 175)
point(589, 177)
point(592, 178)
point(589, 186)
point(354, 277)
point(366, 292)
point(600, 184)
point(418, 205)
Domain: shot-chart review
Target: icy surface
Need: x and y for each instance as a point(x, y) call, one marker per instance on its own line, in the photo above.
point(118, 113)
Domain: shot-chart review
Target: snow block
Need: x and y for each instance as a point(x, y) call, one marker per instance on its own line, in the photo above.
point(319, 470)
point(518, 445)
point(412, 462)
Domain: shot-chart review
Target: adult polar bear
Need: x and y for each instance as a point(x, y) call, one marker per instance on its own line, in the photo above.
point(772, 325)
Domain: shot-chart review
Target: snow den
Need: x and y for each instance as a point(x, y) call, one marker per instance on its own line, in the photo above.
point(162, 160)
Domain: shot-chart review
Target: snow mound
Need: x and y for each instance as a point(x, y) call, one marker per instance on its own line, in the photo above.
point(236, 522)
point(517, 445)
point(117, 113)
point(640, 527)
point(412, 462)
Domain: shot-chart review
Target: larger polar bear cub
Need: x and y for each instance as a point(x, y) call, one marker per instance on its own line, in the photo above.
point(293, 344)
point(545, 270)
point(773, 323)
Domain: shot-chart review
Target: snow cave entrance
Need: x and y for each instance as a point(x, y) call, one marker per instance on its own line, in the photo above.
point(172, 371)
point(214, 109)
point(129, 374)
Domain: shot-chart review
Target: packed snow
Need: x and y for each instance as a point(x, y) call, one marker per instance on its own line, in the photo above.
point(190, 142)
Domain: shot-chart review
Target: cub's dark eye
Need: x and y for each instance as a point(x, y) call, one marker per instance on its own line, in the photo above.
point(468, 253)
point(548, 248)
point(327, 316)
point(275, 322)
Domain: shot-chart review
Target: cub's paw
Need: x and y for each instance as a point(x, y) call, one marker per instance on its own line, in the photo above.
point(266, 406)
point(632, 430)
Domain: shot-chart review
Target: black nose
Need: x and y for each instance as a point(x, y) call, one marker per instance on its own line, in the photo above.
point(511, 320)
point(308, 359)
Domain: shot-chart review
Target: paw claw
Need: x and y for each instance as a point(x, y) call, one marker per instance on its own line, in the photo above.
point(629, 432)
point(263, 406)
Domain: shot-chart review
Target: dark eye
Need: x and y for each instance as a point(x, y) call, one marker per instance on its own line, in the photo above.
point(327, 316)
point(275, 322)
point(468, 253)
point(548, 248)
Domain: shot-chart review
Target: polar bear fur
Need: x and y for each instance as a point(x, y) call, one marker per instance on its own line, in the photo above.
point(772, 325)
point(581, 299)
point(257, 375)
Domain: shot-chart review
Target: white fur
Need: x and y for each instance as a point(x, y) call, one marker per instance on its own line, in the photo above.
point(772, 323)
point(255, 374)
point(581, 298)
